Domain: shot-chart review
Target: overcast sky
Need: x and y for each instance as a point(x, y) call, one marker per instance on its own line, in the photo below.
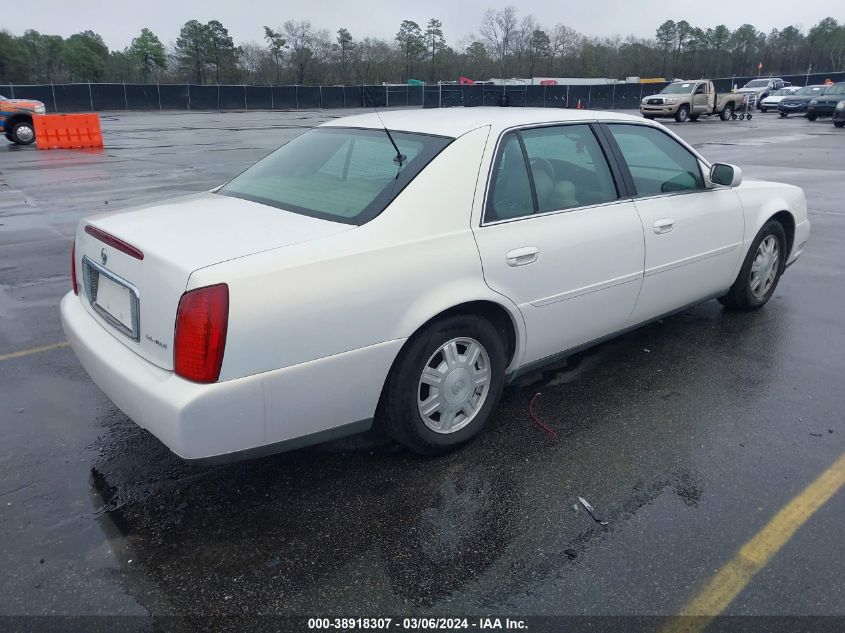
point(118, 22)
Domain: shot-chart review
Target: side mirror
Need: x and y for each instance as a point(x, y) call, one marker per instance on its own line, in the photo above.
point(726, 175)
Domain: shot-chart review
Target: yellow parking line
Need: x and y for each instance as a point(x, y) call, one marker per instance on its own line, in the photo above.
point(721, 590)
point(33, 350)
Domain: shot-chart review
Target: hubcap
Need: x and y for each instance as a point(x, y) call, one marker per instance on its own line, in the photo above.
point(454, 385)
point(765, 266)
point(25, 133)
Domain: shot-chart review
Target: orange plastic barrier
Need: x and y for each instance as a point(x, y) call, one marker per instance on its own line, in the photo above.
point(67, 131)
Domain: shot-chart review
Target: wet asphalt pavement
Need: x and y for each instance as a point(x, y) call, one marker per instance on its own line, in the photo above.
point(687, 435)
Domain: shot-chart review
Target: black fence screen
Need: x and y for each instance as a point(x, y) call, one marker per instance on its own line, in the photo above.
point(258, 97)
point(114, 96)
point(44, 94)
point(231, 97)
point(72, 97)
point(108, 97)
point(203, 97)
point(141, 97)
point(332, 97)
point(308, 97)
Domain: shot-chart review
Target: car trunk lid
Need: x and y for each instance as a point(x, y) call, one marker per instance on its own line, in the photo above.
point(134, 265)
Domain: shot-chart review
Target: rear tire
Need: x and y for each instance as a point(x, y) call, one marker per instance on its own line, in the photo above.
point(693, 117)
point(760, 271)
point(726, 112)
point(409, 387)
point(682, 114)
point(23, 133)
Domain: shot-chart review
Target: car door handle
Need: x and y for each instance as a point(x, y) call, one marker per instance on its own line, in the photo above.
point(522, 256)
point(664, 226)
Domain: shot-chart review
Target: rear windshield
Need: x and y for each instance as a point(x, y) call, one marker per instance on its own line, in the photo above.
point(339, 174)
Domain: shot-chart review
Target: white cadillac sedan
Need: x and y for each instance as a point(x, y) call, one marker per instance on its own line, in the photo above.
point(404, 274)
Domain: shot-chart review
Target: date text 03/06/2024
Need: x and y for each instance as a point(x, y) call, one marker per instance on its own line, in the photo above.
point(436, 624)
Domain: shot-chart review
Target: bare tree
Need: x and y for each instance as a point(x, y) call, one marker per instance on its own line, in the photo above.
point(497, 30)
point(300, 39)
point(563, 43)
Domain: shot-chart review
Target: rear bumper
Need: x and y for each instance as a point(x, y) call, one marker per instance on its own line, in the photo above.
point(235, 419)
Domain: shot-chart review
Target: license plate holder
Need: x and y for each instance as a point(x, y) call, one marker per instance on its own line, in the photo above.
point(113, 298)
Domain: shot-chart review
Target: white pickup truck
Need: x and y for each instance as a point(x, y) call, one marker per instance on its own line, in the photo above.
point(688, 100)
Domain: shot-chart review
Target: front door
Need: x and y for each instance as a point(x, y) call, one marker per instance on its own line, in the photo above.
point(693, 235)
point(558, 239)
point(700, 99)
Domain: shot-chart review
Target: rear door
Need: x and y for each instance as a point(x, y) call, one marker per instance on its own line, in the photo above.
point(693, 235)
point(560, 238)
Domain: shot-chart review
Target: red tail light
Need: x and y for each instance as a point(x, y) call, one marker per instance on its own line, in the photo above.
point(201, 324)
point(73, 269)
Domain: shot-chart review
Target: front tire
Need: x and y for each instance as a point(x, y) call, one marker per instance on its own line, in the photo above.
point(693, 117)
point(761, 270)
point(839, 123)
point(812, 116)
point(783, 115)
point(682, 114)
point(444, 386)
point(763, 109)
point(23, 133)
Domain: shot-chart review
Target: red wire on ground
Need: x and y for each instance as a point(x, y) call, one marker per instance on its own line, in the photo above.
point(548, 430)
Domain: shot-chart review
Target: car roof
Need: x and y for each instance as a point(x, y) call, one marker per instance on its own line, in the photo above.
point(454, 122)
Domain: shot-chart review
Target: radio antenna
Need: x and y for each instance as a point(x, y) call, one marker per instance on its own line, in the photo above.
point(400, 157)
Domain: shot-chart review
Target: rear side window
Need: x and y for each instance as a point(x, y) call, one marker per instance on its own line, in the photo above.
point(339, 174)
point(510, 196)
point(657, 162)
point(566, 168)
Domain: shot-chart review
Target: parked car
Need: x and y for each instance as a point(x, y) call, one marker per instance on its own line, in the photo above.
point(825, 104)
point(16, 119)
point(762, 87)
point(839, 114)
point(775, 97)
point(684, 100)
point(798, 102)
point(405, 277)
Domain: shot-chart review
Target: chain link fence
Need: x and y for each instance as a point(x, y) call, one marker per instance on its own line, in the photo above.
point(97, 97)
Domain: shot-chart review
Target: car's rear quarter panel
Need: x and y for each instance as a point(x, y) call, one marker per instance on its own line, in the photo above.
point(376, 283)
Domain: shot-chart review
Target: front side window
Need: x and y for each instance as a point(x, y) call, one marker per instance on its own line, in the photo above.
point(338, 174)
point(657, 162)
point(568, 167)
